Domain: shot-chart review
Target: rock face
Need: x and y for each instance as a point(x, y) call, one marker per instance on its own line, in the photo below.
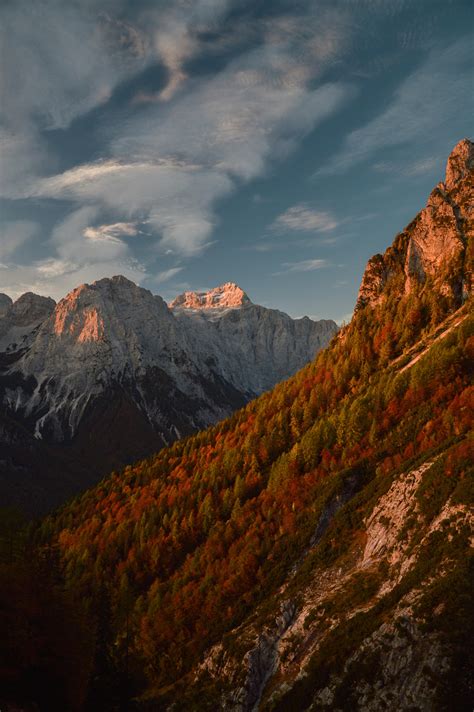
point(253, 347)
point(395, 660)
point(433, 250)
point(227, 295)
point(115, 373)
point(19, 319)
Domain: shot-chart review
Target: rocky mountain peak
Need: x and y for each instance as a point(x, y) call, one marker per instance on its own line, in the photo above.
point(31, 308)
point(18, 319)
point(228, 295)
point(87, 311)
point(5, 304)
point(432, 252)
point(460, 163)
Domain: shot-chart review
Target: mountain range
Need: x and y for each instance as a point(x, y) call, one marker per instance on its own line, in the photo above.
point(313, 551)
point(111, 373)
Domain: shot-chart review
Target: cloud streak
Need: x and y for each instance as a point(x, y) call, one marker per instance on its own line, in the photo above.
point(14, 235)
point(428, 100)
point(111, 233)
point(302, 266)
point(303, 218)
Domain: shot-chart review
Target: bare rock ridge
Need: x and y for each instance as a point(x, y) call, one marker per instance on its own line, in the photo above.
point(19, 319)
point(111, 373)
point(433, 249)
point(228, 295)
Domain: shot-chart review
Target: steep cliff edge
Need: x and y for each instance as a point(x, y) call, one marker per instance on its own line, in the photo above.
point(19, 319)
point(433, 252)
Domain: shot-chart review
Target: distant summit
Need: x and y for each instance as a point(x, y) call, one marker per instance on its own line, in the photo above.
point(19, 319)
point(228, 295)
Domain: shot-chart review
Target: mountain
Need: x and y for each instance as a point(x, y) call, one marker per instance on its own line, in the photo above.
point(19, 320)
point(435, 249)
point(111, 373)
point(311, 552)
point(225, 296)
point(254, 347)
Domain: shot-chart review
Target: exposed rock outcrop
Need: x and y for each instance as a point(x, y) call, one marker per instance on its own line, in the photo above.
point(20, 318)
point(225, 296)
point(395, 661)
point(434, 247)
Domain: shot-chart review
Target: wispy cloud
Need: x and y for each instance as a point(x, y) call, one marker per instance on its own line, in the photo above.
point(302, 266)
point(301, 217)
point(429, 100)
point(166, 275)
point(51, 267)
point(415, 168)
point(111, 233)
point(15, 234)
point(70, 58)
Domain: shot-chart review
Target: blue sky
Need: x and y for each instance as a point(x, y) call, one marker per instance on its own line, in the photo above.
point(192, 142)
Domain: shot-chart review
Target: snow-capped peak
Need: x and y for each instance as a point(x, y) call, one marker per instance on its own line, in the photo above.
point(228, 295)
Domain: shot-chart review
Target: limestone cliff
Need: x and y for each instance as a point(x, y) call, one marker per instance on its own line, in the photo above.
point(435, 249)
point(19, 319)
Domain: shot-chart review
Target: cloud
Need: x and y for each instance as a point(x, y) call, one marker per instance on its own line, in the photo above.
point(303, 266)
point(303, 218)
point(23, 155)
point(111, 233)
point(69, 57)
point(166, 275)
point(177, 198)
point(170, 163)
point(72, 243)
point(51, 267)
point(177, 31)
point(425, 107)
point(15, 234)
point(415, 168)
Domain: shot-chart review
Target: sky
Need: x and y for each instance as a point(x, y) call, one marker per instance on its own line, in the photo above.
point(187, 143)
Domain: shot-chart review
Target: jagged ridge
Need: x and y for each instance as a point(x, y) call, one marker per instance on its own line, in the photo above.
point(433, 251)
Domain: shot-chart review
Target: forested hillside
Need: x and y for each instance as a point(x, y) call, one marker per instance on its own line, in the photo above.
point(240, 566)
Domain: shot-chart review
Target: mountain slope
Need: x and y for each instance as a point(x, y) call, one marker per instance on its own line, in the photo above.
point(111, 359)
point(291, 557)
